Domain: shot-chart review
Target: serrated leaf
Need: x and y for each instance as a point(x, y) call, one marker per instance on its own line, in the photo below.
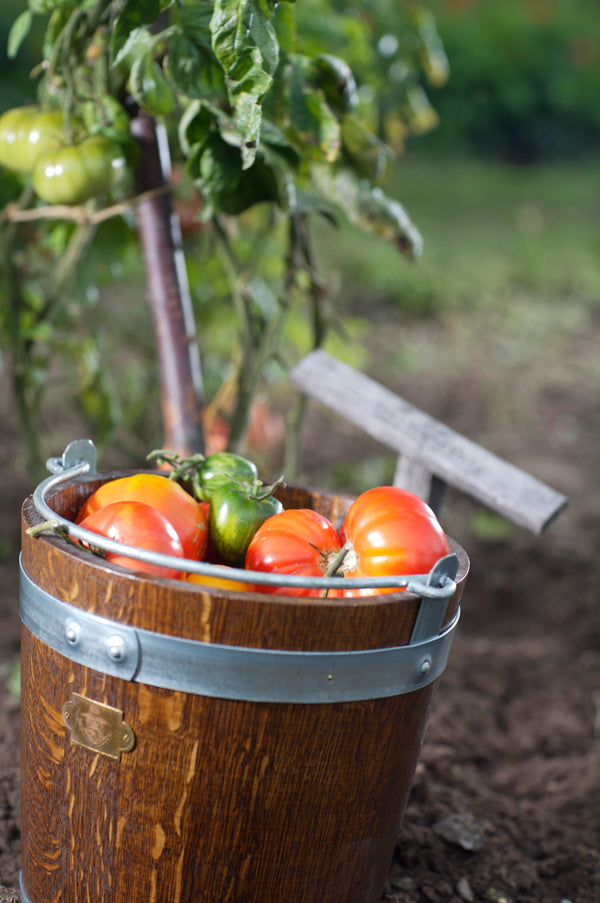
point(226, 186)
point(245, 43)
point(18, 32)
point(335, 78)
point(369, 208)
point(239, 28)
point(314, 125)
point(191, 63)
point(194, 126)
point(138, 42)
point(133, 15)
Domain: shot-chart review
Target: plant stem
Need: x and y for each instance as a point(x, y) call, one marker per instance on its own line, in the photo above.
point(301, 257)
point(258, 340)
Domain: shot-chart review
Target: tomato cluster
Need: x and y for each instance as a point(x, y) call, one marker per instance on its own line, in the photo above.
point(387, 532)
point(152, 511)
point(230, 518)
point(41, 143)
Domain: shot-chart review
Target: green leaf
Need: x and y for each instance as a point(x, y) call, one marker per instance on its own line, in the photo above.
point(56, 23)
point(133, 15)
point(245, 43)
point(369, 208)
point(226, 187)
point(18, 32)
point(314, 125)
point(195, 126)
point(149, 87)
point(137, 43)
point(285, 26)
point(335, 78)
point(191, 63)
point(368, 153)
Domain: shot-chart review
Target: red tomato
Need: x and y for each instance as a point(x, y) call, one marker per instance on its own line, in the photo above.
point(178, 506)
point(295, 541)
point(392, 531)
point(139, 525)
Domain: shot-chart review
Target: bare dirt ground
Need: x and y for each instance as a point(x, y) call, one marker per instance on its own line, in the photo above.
point(506, 801)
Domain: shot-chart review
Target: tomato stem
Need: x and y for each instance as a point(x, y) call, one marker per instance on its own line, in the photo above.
point(184, 469)
point(259, 491)
point(337, 560)
point(52, 526)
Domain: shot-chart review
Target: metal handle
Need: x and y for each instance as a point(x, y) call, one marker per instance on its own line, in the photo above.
point(79, 458)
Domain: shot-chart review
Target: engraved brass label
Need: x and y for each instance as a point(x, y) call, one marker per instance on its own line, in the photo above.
point(98, 727)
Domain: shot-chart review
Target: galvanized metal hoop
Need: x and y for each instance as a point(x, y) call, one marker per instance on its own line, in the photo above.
point(229, 672)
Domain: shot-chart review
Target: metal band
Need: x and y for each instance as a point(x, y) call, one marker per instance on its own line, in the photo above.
point(229, 672)
point(23, 895)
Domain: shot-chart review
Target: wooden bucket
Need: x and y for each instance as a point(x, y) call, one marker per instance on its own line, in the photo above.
point(181, 746)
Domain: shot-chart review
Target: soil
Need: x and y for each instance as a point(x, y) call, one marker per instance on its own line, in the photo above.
point(506, 801)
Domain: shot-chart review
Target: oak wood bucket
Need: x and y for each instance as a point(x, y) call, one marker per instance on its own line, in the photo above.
point(189, 791)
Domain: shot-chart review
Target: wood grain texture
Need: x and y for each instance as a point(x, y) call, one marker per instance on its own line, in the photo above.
point(219, 800)
point(434, 447)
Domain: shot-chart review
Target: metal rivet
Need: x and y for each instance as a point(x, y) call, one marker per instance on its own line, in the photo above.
point(425, 666)
point(116, 648)
point(72, 632)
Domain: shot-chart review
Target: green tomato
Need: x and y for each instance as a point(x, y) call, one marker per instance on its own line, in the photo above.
point(222, 468)
point(236, 513)
point(26, 133)
point(77, 172)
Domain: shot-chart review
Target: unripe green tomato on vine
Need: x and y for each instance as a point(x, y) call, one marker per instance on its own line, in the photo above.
point(26, 133)
point(77, 172)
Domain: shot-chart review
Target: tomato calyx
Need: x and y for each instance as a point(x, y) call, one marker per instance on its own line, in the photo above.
point(206, 473)
point(339, 561)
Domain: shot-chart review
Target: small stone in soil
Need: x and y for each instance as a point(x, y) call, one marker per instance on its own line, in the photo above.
point(465, 891)
point(464, 830)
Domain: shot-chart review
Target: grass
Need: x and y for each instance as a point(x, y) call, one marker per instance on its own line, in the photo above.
point(489, 230)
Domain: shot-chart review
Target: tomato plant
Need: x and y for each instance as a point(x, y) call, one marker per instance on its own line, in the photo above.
point(74, 173)
point(390, 531)
point(236, 512)
point(183, 512)
point(296, 541)
point(139, 525)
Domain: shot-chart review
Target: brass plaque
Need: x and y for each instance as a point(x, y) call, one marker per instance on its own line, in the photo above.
point(98, 727)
